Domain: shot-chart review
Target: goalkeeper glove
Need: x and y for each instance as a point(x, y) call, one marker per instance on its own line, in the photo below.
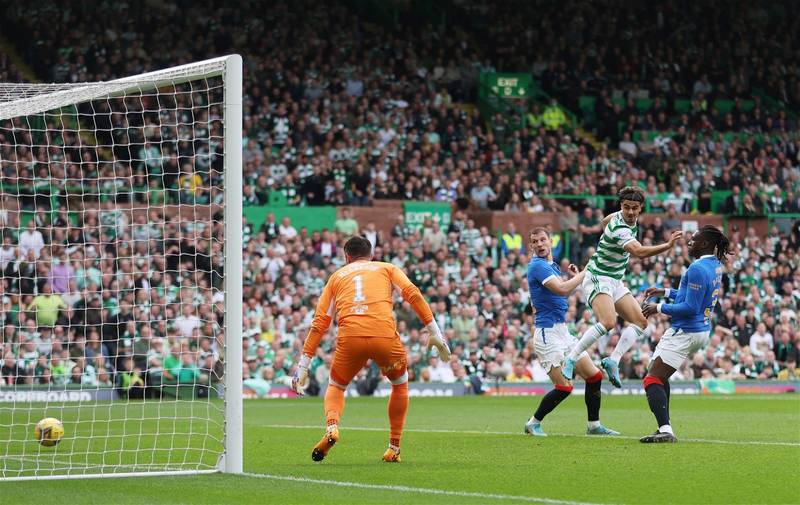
point(436, 339)
point(300, 378)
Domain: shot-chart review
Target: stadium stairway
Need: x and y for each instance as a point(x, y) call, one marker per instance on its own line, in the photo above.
point(8, 49)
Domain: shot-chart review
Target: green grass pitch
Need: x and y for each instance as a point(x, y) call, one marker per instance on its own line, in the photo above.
point(737, 449)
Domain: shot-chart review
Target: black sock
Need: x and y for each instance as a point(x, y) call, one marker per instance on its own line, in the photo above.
point(666, 389)
point(657, 398)
point(551, 401)
point(592, 398)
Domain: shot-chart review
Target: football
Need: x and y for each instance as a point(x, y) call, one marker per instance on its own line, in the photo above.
point(49, 431)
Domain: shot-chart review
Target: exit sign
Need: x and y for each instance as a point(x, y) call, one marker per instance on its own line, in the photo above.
point(510, 85)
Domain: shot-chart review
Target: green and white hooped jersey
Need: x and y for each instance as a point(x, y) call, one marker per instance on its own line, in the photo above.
point(611, 259)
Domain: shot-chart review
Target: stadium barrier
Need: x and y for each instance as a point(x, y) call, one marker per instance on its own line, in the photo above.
point(426, 389)
point(384, 214)
point(78, 394)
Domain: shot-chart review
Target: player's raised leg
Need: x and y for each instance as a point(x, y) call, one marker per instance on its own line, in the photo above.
point(630, 311)
point(592, 395)
point(603, 307)
point(656, 385)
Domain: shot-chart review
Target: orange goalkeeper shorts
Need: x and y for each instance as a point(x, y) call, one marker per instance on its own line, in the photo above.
point(352, 354)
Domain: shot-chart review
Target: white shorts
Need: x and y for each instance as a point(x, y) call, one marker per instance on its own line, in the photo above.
point(553, 344)
point(675, 346)
point(593, 285)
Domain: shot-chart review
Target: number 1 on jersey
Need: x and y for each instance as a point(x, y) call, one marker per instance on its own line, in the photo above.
point(359, 289)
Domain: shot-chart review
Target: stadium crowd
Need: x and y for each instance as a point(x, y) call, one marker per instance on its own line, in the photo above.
point(132, 298)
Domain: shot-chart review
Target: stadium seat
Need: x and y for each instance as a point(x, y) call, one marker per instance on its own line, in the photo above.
point(682, 105)
point(724, 106)
point(644, 104)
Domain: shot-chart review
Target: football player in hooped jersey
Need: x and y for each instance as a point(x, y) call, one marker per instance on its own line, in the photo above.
point(360, 296)
point(691, 312)
point(603, 285)
point(552, 339)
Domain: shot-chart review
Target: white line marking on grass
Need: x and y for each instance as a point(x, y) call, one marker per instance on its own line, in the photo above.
point(417, 490)
point(481, 432)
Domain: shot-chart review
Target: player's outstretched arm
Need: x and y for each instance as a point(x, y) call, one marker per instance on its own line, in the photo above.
point(562, 287)
point(692, 304)
point(645, 251)
point(654, 292)
point(413, 296)
point(322, 321)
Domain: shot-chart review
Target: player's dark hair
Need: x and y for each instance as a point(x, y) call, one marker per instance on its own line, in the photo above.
point(716, 238)
point(632, 193)
point(537, 230)
point(358, 247)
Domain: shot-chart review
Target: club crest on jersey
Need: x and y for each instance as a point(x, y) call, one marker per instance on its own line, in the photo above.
point(359, 309)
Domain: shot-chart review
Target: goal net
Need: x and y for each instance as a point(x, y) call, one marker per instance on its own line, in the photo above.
point(120, 218)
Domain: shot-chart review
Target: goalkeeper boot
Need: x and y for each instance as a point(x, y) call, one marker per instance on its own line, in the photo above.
point(327, 442)
point(568, 368)
point(612, 370)
point(534, 428)
point(601, 430)
point(392, 455)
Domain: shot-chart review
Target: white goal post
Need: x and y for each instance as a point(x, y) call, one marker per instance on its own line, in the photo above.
point(121, 274)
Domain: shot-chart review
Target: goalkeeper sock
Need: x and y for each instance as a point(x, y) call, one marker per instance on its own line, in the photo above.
point(397, 408)
point(551, 401)
point(589, 337)
point(333, 404)
point(657, 399)
point(592, 397)
point(627, 338)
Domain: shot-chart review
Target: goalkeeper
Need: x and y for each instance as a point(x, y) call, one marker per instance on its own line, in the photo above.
point(360, 295)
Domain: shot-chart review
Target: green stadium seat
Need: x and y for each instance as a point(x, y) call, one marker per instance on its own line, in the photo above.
point(718, 200)
point(586, 103)
point(619, 101)
point(644, 104)
point(748, 105)
point(682, 105)
point(724, 106)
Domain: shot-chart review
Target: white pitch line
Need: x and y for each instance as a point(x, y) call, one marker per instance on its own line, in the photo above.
point(418, 490)
point(480, 432)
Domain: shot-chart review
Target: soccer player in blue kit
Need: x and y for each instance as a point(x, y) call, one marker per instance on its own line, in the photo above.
point(552, 340)
point(691, 312)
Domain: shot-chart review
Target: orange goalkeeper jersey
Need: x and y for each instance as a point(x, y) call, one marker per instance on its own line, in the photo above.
point(359, 295)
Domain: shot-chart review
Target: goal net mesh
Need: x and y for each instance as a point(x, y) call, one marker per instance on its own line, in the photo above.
point(112, 221)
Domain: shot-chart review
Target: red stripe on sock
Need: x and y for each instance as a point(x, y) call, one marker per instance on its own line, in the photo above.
point(650, 380)
point(566, 389)
point(595, 378)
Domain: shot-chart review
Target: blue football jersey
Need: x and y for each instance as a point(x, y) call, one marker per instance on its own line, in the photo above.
point(696, 296)
point(550, 307)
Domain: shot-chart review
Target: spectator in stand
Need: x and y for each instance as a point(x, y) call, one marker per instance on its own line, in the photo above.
point(346, 225)
point(31, 240)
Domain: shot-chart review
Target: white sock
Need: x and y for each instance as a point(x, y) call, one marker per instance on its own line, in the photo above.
point(533, 420)
point(649, 330)
point(593, 424)
point(666, 429)
point(627, 338)
point(589, 337)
